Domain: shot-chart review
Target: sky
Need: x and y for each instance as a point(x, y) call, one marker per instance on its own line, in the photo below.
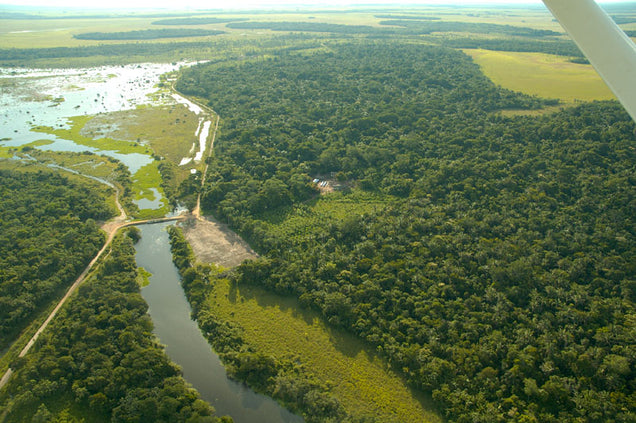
point(240, 4)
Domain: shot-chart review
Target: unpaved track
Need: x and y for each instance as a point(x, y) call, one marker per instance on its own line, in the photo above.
point(111, 229)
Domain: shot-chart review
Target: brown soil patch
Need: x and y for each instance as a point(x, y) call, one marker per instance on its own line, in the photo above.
point(214, 242)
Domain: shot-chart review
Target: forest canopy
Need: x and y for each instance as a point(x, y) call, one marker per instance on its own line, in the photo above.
point(498, 273)
point(48, 235)
point(147, 34)
point(98, 361)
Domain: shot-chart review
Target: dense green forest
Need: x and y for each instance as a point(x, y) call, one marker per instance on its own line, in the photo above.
point(557, 47)
point(48, 235)
point(495, 267)
point(147, 34)
point(284, 380)
point(99, 361)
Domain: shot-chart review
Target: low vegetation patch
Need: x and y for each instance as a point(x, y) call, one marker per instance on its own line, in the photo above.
point(542, 75)
point(324, 374)
point(76, 134)
point(358, 378)
point(168, 130)
point(147, 184)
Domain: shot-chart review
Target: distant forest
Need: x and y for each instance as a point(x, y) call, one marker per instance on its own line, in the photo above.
point(196, 21)
point(406, 26)
point(496, 268)
point(147, 34)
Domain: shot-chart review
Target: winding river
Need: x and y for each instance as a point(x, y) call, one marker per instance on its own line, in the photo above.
point(185, 345)
point(50, 97)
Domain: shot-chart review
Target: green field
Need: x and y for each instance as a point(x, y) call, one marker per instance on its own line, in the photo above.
point(542, 75)
point(278, 326)
point(301, 223)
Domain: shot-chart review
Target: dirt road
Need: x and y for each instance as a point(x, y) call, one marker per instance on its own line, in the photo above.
point(111, 229)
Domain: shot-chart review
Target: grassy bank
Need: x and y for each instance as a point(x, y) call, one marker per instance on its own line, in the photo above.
point(168, 130)
point(360, 380)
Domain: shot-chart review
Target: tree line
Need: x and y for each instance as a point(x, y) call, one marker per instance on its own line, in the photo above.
point(282, 379)
point(147, 34)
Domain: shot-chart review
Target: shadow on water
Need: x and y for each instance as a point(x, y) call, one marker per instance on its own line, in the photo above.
point(186, 346)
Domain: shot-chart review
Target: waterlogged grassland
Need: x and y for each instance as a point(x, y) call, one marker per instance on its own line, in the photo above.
point(542, 75)
point(146, 182)
point(75, 133)
point(168, 130)
point(6, 152)
point(360, 379)
point(147, 186)
point(85, 163)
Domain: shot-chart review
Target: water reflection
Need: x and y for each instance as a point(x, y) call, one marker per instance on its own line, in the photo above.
point(185, 345)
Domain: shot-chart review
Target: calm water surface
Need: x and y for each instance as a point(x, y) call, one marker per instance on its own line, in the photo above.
point(185, 345)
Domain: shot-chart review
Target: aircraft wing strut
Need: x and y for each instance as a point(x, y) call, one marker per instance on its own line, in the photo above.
point(605, 45)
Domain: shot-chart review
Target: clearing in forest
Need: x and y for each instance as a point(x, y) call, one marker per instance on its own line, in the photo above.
point(543, 75)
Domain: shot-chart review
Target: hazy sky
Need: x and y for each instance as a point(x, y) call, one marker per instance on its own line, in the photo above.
point(233, 4)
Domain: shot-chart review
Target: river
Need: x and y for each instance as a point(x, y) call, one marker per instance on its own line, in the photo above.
point(49, 97)
point(186, 346)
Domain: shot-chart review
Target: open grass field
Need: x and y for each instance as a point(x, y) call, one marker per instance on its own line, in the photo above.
point(6, 152)
point(42, 33)
point(542, 75)
point(277, 326)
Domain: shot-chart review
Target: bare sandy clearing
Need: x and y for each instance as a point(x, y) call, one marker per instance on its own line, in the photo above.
point(214, 242)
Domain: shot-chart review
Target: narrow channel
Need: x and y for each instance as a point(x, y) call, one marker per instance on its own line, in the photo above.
point(186, 346)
